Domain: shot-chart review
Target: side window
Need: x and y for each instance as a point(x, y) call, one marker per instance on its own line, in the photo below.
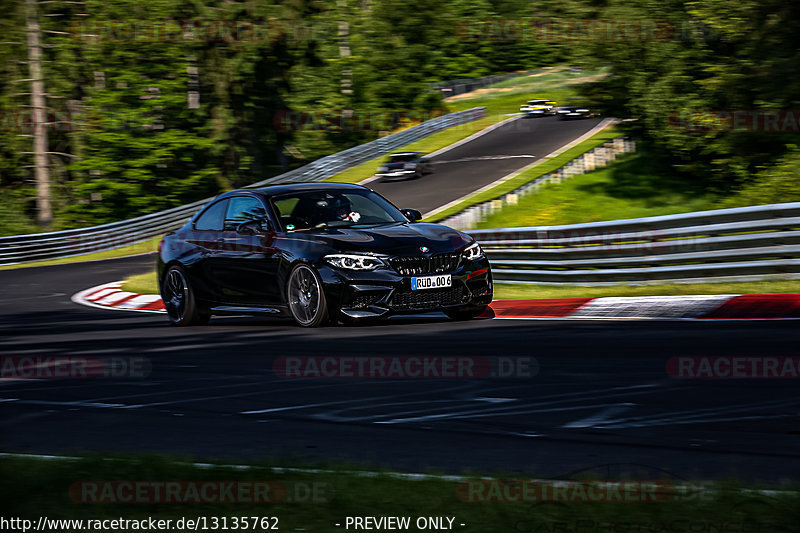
point(242, 209)
point(211, 219)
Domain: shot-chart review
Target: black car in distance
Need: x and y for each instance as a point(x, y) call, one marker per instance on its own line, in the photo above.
point(405, 165)
point(572, 112)
point(318, 253)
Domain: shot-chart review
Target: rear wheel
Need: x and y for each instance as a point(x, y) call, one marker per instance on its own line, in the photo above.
point(179, 300)
point(306, 298)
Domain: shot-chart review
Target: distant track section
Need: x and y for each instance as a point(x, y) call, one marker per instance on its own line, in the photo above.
point(470, 166)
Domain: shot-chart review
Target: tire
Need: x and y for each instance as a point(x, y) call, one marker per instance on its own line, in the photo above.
point(306, 298)
point(179, 300)
point(465, 313)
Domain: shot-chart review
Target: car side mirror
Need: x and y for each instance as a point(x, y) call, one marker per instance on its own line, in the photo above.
point(412, 214)
point(254, 227)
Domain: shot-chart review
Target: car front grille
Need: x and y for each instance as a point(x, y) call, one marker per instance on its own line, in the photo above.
point(428, 298)
point(361, 301)
point(417, 266)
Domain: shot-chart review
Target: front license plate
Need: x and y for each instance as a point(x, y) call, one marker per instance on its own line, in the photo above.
point(431, 282)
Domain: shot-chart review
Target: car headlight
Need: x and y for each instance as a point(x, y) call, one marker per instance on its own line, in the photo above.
point(410, 166)
point(354, 262)
point(383, 169)
point(473, 251)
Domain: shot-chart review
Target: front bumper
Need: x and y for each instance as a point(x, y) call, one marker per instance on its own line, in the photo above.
point(396, 173)
point(537, 112)
point(384, 292)
point(572, 116)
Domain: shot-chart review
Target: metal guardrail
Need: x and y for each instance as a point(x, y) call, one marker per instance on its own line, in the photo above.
point(60, 244)
point(743, 243)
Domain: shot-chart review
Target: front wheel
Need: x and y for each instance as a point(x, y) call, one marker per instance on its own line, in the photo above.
point(306, 298)
point(179, 300)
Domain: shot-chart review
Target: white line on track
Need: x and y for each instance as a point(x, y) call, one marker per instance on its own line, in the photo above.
point(699, 416)
point(361, 401)
point(105, 401)
point(487, 158)
point(599, 418)
point(516, 408)
point(492, 413)
point(77, 403)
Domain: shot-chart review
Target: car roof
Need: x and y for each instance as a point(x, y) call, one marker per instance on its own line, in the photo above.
point(284, 188)
point(398, 154)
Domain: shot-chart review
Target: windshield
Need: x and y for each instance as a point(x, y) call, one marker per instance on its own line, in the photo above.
point(402, 157)
point(333, 208)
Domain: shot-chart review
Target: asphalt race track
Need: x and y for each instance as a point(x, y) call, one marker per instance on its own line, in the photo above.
point(601, 396)
point(595, 394)
point(470, 166)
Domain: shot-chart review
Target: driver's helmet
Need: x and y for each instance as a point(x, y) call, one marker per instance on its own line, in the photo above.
point(334, 207)
point(342, 207)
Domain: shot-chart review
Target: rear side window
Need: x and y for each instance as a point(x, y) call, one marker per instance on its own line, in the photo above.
point(243, 209)
point(212, 218)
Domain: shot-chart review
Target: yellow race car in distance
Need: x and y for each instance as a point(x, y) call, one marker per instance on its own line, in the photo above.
point(538, 107)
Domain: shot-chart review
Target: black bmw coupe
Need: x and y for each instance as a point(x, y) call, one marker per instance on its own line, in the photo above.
point(318, 252)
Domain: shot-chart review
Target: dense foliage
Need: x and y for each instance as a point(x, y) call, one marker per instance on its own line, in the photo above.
point(147, 116)
point(707, 87)
point(159, 102)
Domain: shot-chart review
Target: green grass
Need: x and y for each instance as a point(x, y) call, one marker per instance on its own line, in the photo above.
point(541, 168)
point(503, 291)
point(147, 284)
point(630, 187)
point(143, 247)
point(142, 283)
point(36, 487)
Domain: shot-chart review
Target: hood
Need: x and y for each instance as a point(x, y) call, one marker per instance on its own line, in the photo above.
point(399, 239)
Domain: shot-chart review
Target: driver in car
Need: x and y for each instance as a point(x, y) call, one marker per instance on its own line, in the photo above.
point(337, 208)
